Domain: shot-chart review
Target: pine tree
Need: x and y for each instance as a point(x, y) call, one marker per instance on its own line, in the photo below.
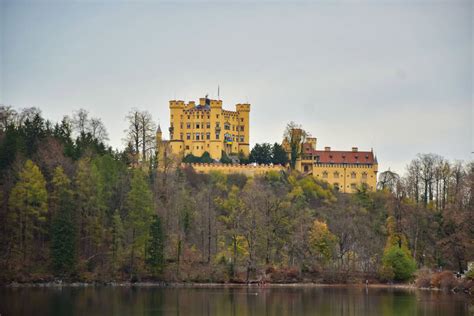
point(90, 210)
point(28, 210)
point(63, 232)
point(156, 247)
point(117, 234)
point(140, 211)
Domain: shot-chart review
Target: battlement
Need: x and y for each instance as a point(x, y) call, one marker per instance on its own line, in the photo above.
point(177, 104)
point(242, 107)
point(249, 170)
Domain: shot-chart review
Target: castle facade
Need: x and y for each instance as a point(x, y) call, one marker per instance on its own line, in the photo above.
point(207, 127)
point(347, 171)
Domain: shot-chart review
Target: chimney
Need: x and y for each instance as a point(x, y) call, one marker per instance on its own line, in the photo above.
point(327, 148)
point(355, 149)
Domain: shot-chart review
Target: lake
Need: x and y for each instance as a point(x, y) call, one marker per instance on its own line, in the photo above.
point(228, 301)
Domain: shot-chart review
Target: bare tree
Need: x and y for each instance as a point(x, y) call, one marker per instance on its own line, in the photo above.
point(294, 137)
point(97, 129)
point(7, 116)
point(141, 133)
point(388, 180)
point(80, 121)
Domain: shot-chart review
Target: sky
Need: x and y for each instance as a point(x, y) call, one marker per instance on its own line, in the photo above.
point(395, 76)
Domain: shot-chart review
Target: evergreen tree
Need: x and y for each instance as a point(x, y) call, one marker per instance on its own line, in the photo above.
point(90, 206)
point(156, 247)
point(63, 232)
point(140, 211)
point(279, 155)
point(117, 234)
point(261, 153)
point(397, 262)
point(28, 210)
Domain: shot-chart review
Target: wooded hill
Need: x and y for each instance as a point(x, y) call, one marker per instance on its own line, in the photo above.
point(74, 209)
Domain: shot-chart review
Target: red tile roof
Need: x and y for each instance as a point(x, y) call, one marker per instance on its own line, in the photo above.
point(337, 156)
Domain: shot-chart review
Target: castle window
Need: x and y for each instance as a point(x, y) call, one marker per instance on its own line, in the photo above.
point(189, 116)
point(242, 119)
point(353, 175)
point(217, 135)
point(188, 125)
point(325, 175)
point(197, 125)
point(242, 128)
point(197, 136)
point(208, 135)
point(227, 126)
point(241, 139)
point(364, 175)
point(187, 147)
point(217, 115)
point(188, 137)
point(208, 125)
point(218, 124)
point(181, 136)
point(181, 125)
point(336, 175)
point(208, 117)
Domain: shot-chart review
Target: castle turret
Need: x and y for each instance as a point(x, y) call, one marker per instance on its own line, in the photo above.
point(159, 134)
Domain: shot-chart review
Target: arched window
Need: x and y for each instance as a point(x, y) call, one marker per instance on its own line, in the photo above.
point(364, 175)
point(353, 175)
point(325, 175)
point(336, 175)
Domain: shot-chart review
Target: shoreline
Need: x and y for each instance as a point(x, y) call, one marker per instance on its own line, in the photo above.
point(211, 285)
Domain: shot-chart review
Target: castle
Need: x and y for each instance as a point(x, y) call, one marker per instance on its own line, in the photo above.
point(345, 170)
point(207, 127)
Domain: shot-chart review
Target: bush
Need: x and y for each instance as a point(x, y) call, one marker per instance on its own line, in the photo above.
point(423, 278)
point(225, 158)
point(470, 274)
point(205, 158)
point(444, 280)
point(401, 263)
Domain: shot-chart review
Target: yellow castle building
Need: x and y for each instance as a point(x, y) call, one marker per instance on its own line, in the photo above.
point(207, 127)
point(345, 170)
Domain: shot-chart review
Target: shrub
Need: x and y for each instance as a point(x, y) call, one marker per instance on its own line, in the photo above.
point(423, 278)
point(225, 158)
point(402, 264)
point(205, 158)
point(470, 274)
point(444, 280)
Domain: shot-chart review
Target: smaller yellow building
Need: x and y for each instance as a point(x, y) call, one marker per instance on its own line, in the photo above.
point(207, 127)
point(345, 170)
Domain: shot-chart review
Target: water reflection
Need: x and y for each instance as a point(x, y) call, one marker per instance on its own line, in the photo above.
point(227, 301)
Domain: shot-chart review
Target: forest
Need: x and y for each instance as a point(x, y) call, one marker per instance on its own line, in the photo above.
point(74, 209)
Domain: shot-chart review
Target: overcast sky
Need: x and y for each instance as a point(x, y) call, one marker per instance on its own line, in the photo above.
point(395, 76)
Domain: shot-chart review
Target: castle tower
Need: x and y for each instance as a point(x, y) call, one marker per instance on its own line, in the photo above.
point(204, 126)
